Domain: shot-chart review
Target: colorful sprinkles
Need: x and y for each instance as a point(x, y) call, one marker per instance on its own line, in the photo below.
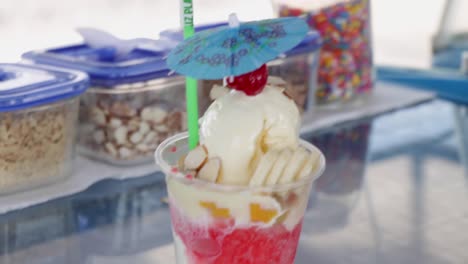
point(346, 58)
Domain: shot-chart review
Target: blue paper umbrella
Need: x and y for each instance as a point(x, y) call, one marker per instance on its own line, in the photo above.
point(236, 49)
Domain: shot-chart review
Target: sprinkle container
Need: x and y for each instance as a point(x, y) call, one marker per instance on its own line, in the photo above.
point(345, 69)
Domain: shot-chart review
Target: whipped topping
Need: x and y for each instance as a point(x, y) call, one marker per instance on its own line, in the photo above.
point(239, 129)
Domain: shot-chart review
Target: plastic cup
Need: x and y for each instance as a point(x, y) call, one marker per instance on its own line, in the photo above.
point(213, 223)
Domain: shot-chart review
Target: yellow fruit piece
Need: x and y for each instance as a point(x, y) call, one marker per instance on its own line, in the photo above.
point(215, 211)
point(258, 214)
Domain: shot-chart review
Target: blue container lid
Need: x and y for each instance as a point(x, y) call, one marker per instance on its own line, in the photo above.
point(23, 86)
point(102, 66)
point(141, 64)
point(107, 70)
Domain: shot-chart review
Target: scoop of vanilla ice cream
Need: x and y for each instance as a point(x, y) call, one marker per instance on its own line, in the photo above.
point(239, 129)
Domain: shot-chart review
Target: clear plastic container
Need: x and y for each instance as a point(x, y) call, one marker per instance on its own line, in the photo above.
point(38, 124)
point(125, 125)
point(345, 69)
point(133, 103)
point(298, 68)
point(215, 223)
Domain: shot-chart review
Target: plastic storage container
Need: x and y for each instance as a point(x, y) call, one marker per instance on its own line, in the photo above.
point(132, 105)
point(38, 114)
point(298, 68)
point(345, 69)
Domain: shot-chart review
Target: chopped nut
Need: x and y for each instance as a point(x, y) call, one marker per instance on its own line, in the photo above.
point(115, 122)
point(133, 125)
point(150, 137)
point(111, 149)
point(144, 127)
point(143, 147)
point(161, 128)
point(120, 135)
point(136, 137)
point(195, 158)
point(98, 116)
point(153, 114)
point(122, 109)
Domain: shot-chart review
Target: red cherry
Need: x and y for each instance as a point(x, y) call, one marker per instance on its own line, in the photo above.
point(251, 83)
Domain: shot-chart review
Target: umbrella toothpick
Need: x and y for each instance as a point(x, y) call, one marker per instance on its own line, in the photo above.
point(235, 49)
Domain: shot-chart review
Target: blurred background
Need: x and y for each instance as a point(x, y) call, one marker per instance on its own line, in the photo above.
point(402, 29)
point(396, 184)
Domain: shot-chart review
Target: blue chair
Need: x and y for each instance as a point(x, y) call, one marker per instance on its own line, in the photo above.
point(448, 85)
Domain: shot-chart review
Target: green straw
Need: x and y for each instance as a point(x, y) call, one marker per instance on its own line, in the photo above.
point(191, 84)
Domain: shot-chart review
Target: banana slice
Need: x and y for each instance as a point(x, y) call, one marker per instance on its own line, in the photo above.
point(257, 157)
point(317, 161)
point(263, 169)
point(309, 165)
point(295, 164)
point(279, 166)
point(210, 170)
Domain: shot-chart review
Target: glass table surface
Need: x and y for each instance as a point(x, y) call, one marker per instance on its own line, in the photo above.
point(395, 191)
